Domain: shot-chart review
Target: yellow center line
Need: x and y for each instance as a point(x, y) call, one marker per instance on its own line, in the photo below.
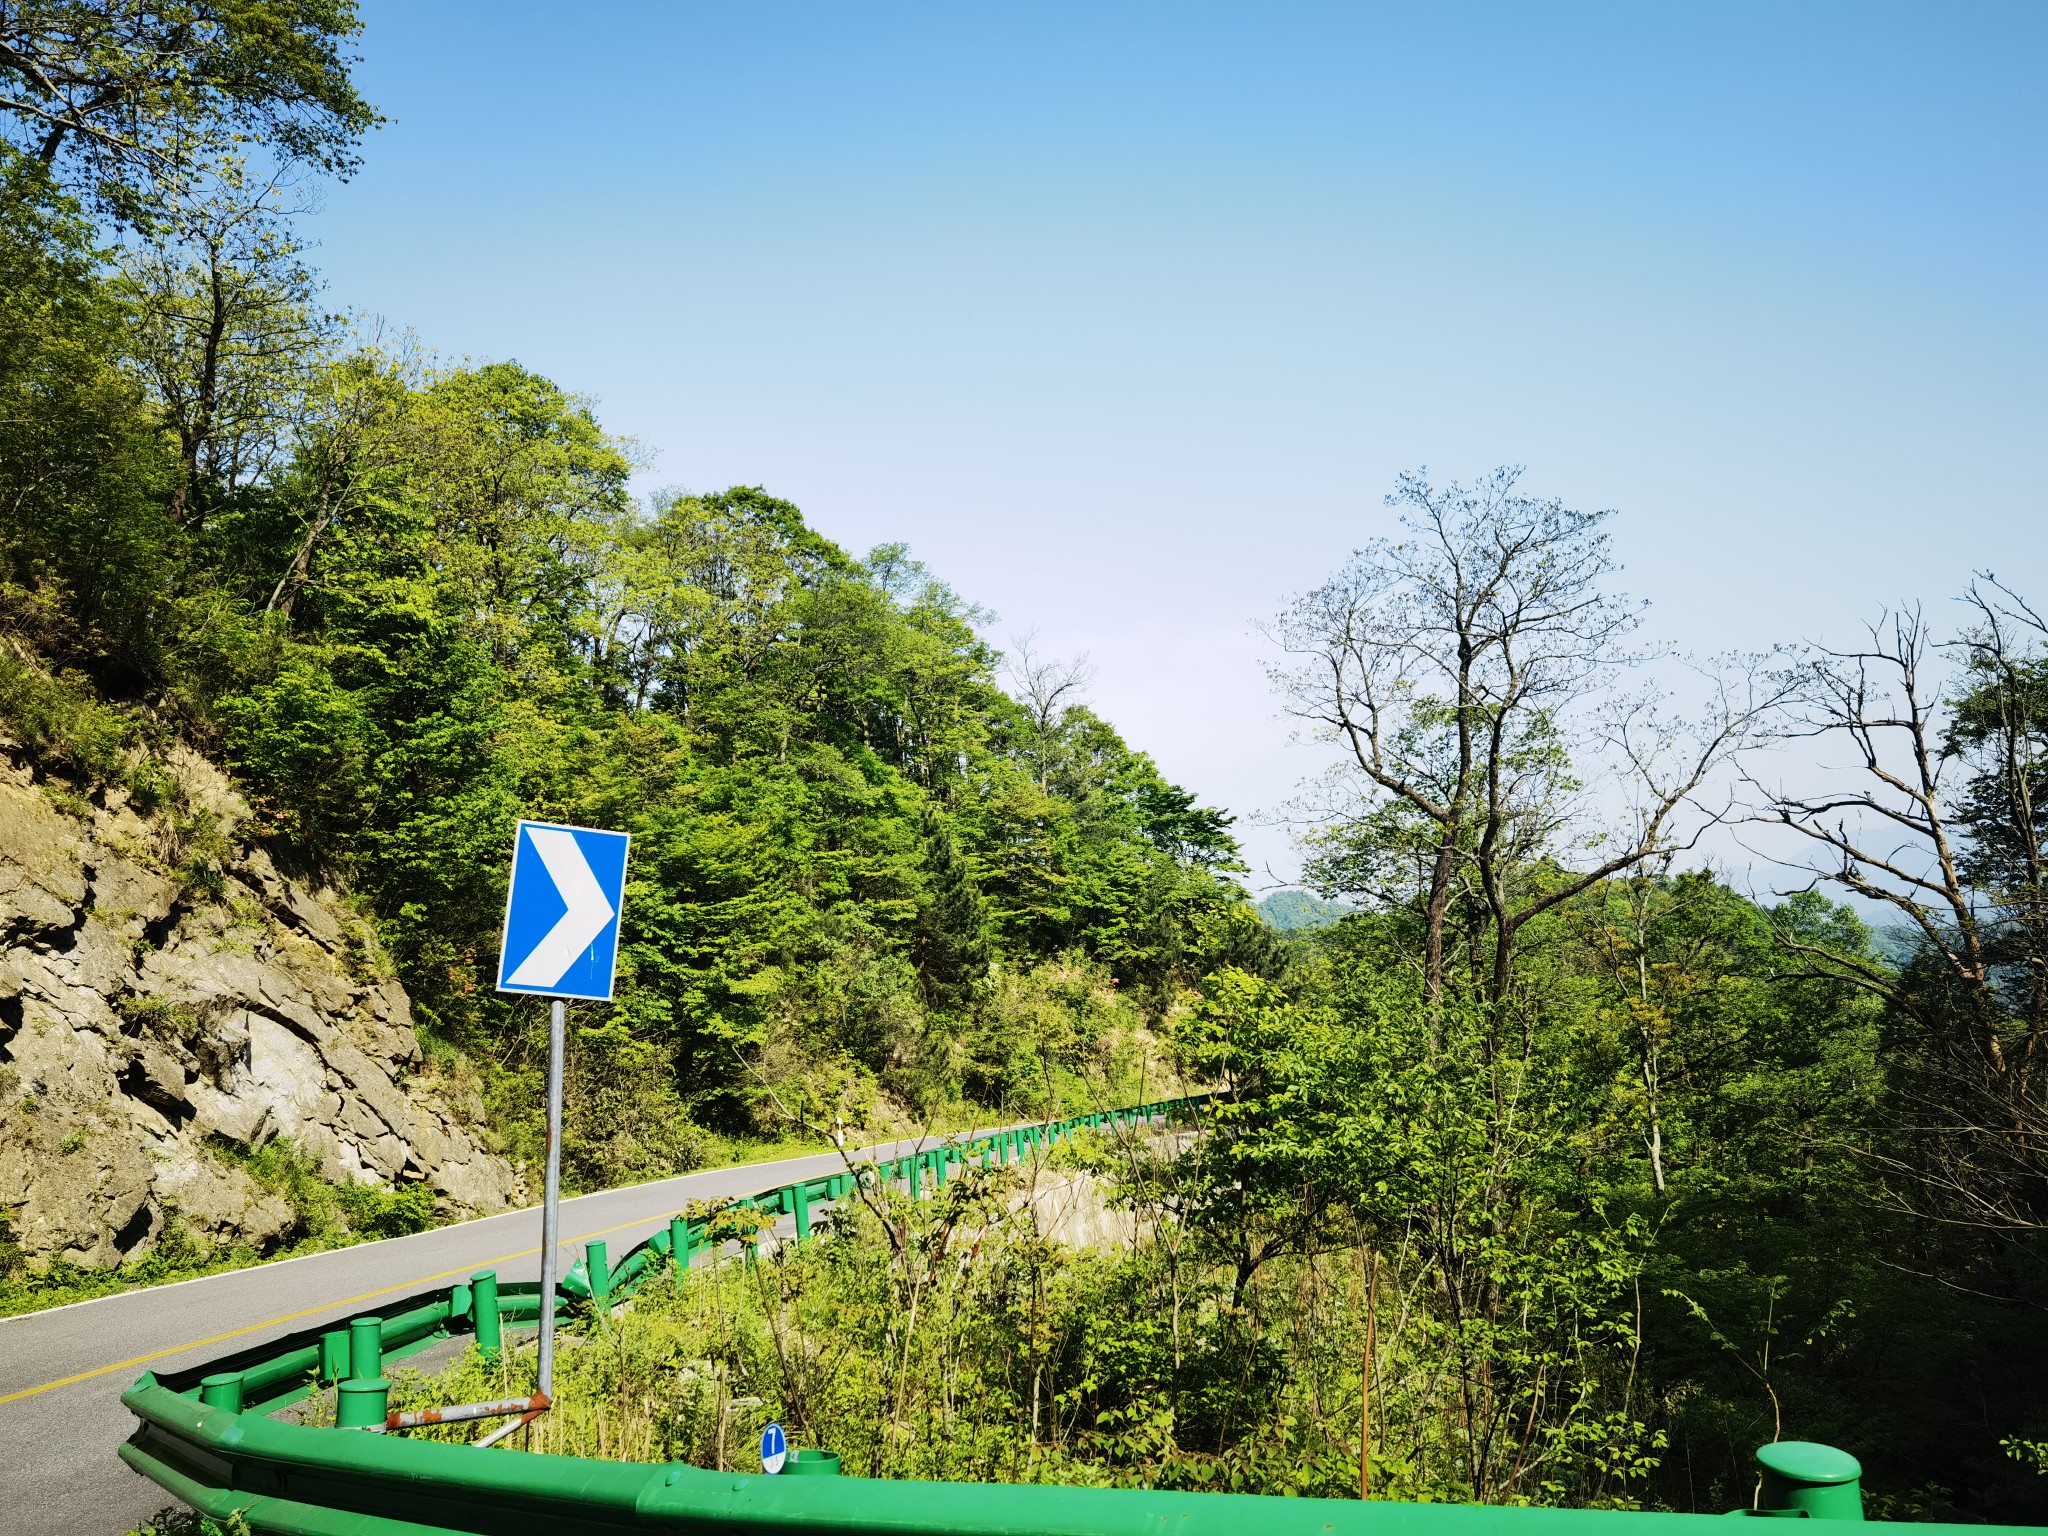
point(292, 1317)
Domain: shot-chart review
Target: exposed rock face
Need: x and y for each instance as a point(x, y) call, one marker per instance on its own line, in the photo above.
point(143, 1023)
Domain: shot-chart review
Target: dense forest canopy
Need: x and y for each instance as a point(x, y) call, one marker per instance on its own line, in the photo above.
point(1622, 1169)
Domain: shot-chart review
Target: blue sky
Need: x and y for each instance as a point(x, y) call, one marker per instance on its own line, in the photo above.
point(1126, 316)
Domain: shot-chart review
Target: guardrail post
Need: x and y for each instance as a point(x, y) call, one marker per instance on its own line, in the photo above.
point(911, 1166)
point(939, 1160)
point(223, 1391)
point(334, 1354)
point(362, 1404)
point(597, 1266)
point(800, 1197)
point(365, 1348)
point(483, 1311)
point(1805, 1478)
point(680, 1242)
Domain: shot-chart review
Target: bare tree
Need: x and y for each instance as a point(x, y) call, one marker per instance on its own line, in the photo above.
point(1460, 670)
point(1886, 835)
point(1940, 821)
point(1047, 687)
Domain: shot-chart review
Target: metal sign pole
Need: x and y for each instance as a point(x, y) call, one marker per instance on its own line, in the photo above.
point(551, 1214)
point(561, 940)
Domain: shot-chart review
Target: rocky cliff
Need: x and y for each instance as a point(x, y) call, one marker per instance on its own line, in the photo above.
point(170, 1001)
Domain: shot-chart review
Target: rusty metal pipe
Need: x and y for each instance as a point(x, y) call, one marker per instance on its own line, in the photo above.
point(419, 1418)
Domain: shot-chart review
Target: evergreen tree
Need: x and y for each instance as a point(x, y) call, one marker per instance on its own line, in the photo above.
point(953, 948)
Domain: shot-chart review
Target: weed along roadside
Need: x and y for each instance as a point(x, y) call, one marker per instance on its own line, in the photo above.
point(207, 1436)
point(361, 1463)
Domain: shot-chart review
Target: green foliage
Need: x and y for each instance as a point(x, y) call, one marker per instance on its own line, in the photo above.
point(951, 1339)
point(85, 545)
point(325, 1215)
point(441, 611)
point(115, 99)
point(1287, 910)
point(162, 1018)
point(175, 1255)
point(1346, 1120)
point(1620, 1171)
point(61, 722)
point(330, 1214)
point(2032, 1454)
point(953, 948)
point(373, 1212)
point(186, 1522)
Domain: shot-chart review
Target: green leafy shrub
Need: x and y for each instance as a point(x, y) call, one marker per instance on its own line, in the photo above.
point(161, 1017)
point(59, 719)
point(373, 1212)
point(203, 852)
point(187, 1522)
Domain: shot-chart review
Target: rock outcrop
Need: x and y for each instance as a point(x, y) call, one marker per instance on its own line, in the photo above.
point(162, 1009)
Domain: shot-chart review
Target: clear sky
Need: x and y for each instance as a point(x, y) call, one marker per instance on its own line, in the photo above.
point(1126, 316)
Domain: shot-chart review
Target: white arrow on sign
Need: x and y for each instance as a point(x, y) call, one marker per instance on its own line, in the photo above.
point(574, 929)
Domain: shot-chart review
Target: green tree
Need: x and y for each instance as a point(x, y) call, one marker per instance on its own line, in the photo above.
point(113, 97)
point(952, 928)
point(227, 332)
point(1466, 674)
point(85, 545)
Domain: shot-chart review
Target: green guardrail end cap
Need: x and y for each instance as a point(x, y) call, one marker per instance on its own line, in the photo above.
point(1808, 1461)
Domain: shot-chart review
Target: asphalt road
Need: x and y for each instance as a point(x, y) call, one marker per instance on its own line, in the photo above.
point(62, 1372)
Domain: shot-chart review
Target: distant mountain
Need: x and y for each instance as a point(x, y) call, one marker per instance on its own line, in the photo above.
point(1288, 910)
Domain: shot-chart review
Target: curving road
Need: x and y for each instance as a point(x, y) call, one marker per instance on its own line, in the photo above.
point(62, 1372)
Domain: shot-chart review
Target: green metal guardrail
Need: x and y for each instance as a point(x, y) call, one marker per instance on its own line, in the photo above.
point(205, 1436)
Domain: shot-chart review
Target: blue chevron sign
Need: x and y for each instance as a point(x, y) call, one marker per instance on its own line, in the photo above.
point(562, 911)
